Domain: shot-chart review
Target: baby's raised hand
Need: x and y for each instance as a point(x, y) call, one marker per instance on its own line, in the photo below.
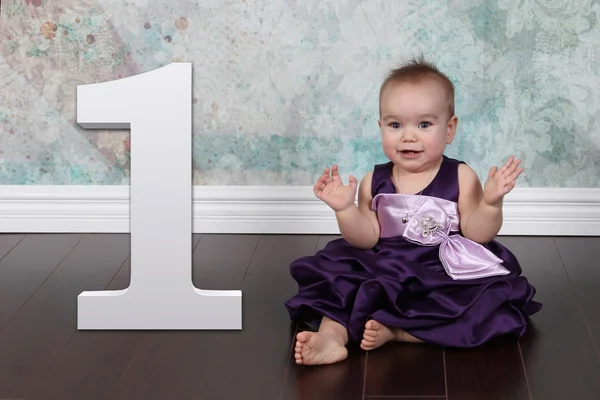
point(333, 192)
point(501, 181)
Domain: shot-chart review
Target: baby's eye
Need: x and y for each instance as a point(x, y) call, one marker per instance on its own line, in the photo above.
point(395, 125)
point(424, 124)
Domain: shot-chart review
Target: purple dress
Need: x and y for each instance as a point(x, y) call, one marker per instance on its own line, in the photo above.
point(422, 276)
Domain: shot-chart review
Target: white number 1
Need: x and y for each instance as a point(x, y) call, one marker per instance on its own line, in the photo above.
point(157, 107)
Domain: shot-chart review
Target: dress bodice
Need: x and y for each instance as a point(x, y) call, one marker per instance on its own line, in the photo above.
point(392, 207)
point(444, 184)
point(432, 219)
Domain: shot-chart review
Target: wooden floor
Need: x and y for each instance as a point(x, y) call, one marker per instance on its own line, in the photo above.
point(43, 356)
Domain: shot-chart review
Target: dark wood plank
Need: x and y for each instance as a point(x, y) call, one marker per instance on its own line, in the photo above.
point(168, 365)
point(274, 253)
point(403, 369)
point(7, 242)
point(491, 372)
point(340, 381)
point(174, 364)
point(93, 362)
point(324, 239)
point(558, 352)
point(221, 261)
point(37, 333)
point(227, 254)
point(251, 364)
point(23, 270)
point(581, 258)
point(258, 358)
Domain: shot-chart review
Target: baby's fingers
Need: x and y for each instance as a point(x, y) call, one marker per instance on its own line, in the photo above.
point(515, 174)
point(352, 181)
point(318, 188)
point(506, 165)
point(321, 182)
point(335, 173)
point(325, 177)
point(513, 166)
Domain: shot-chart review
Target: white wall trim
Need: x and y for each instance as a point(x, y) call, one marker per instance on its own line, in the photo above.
point(267, 209)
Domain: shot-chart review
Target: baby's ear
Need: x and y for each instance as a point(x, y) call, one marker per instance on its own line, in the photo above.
point(451, 128)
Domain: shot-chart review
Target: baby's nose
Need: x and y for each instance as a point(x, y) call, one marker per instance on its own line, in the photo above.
point(409, 135)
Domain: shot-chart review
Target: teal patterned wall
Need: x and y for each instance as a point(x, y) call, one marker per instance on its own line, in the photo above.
point(284, 88)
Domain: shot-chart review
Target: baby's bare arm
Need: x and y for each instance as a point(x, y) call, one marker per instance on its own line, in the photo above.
point(478, 221)
point(359, 225)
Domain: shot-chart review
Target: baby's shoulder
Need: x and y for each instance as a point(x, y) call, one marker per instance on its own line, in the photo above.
point(469, 188)
point(466, 175)
point(374, 181)
point(366, 182)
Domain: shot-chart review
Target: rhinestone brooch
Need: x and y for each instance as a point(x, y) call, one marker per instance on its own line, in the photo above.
point(429, 226)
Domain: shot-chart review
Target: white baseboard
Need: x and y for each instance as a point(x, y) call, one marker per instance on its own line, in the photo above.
point(266, 210)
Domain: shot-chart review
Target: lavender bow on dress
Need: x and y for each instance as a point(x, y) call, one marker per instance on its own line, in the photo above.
point(462, 258)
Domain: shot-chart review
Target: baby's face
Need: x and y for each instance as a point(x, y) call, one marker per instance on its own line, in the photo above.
point(416, 124)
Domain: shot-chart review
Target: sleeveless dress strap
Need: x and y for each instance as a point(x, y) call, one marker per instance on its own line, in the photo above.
point(382, 180)
point(445, 183)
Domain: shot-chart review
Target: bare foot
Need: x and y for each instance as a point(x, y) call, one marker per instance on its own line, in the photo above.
point(376, 334)
point(314, 348)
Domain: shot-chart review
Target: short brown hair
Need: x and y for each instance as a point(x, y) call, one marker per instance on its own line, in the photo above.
point(416, 70)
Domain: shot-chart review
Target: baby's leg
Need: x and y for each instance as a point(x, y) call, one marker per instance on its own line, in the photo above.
point(377, 334)
point(327, 346)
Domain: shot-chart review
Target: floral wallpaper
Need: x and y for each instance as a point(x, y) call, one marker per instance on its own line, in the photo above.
point(284, 88)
